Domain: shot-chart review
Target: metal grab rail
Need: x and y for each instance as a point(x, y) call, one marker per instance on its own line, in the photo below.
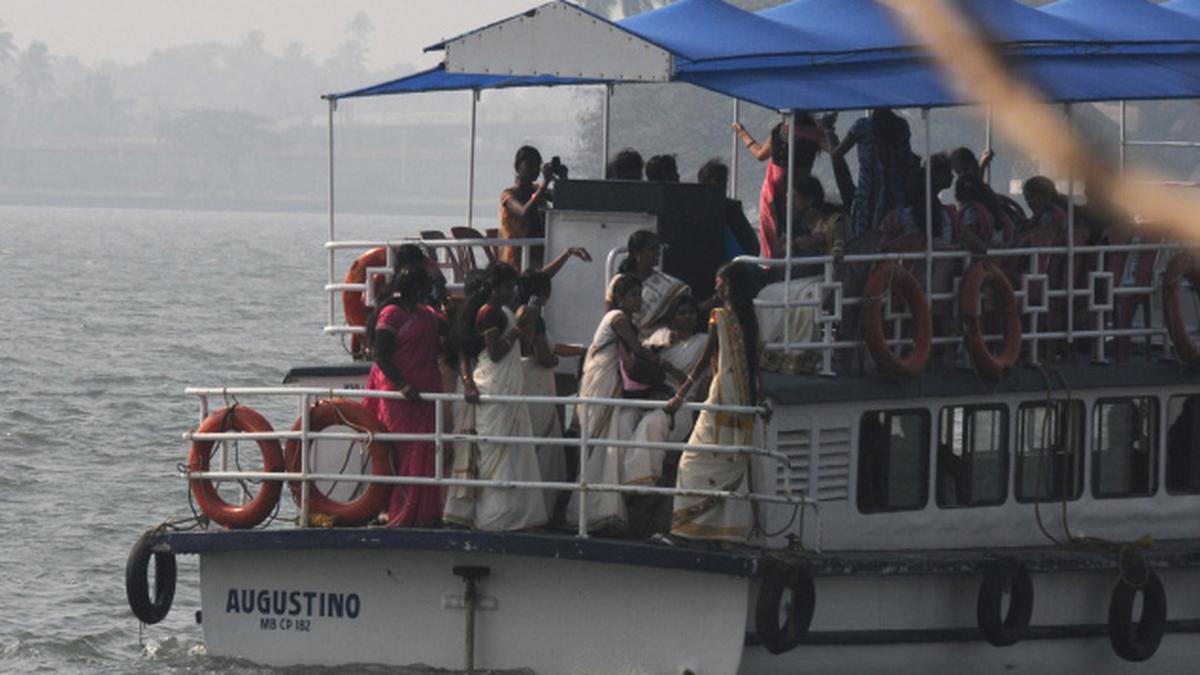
point(440, 438)
point(1102, 290)
point(333, 287)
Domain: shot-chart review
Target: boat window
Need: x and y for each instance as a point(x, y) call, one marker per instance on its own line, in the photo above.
point(972, 456)
point(1125, 436)
point(1183, 445)
point(893, 460)
point(1049, 451)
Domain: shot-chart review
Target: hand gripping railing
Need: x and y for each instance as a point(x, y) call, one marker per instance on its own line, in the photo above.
point(440, 438)
point(1103, 288)
point(333, 287)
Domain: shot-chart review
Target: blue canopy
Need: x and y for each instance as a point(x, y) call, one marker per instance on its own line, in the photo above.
point(437, 79)
point(695, 30)
point(852, 54)
point(1125, 20)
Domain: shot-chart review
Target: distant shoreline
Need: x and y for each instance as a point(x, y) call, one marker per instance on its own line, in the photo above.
point(276, 205)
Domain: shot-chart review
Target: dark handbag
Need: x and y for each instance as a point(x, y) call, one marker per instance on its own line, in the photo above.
point(638, 370)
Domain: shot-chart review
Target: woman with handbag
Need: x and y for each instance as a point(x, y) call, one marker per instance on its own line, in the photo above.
point(602, 379)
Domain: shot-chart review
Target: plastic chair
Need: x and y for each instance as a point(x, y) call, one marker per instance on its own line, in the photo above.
point(452, 260)
point(467, 255)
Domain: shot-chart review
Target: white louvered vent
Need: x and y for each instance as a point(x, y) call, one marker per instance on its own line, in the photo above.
point(833, 462)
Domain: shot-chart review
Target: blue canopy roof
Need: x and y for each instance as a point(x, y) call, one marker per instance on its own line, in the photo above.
point(848, 54)
point(437, 79)
point(696, 30)
point(1124, 20)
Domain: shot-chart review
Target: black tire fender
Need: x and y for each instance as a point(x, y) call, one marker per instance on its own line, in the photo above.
point(147, 609)
point(1137, 641)
point(780, 578)
point(1007, 628)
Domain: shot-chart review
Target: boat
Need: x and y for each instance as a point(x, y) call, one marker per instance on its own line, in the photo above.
point(1026, 513)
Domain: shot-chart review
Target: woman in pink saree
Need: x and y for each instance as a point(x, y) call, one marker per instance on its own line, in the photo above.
point(406, 342)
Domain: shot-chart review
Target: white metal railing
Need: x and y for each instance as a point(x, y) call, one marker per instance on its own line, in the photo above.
point(441, 249)
point(1035, 292)
point(584, 405)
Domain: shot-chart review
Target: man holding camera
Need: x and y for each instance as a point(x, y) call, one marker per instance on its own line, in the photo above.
point(521, 204)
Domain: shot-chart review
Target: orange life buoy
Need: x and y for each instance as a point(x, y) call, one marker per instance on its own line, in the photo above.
point(885, 275)
point(236, 418)
point(353, 305)
point(1181, 266)
point(989, 366)
point(374, 498)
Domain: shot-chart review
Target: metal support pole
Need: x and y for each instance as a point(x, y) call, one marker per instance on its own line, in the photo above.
point(471, 163)
point(733, 152)
point(987, 144)
point(331, 279)
point(1070, 245)
point(471, 575)
point(605, 137)
point(584, 422)
point(304, 450)
point(1121, 167)
point(787, 243)
point(928, 203)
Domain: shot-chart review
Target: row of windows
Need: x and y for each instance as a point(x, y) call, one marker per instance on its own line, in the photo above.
point(972, 452)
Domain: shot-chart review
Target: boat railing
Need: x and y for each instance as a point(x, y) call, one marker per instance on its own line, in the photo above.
point(441, 249)
point(442, 439)
point(1057, 288)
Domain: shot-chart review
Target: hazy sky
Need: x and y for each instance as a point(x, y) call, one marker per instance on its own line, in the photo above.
point(128, 30)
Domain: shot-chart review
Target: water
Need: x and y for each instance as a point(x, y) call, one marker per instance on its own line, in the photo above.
point(107, 316)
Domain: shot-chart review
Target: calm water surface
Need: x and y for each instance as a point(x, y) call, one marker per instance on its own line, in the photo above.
point(106, 316)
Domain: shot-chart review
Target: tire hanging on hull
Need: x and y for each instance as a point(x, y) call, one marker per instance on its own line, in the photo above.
point(782, 577)
point(149, 609)
point(1004, 629)
point(1137, 641)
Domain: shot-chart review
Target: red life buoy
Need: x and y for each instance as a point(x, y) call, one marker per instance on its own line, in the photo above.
point(1181, 266)
point(989, 366)
point(885, 275)
point(236, 418)
point(374, 498)
point(353, 306)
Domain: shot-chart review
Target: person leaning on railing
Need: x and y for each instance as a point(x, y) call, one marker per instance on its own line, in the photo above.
point(488, 334)
point(404, 332)
point(732, 348)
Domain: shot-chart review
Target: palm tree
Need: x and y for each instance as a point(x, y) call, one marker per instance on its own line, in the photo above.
point(8, 48)
point(33, 69)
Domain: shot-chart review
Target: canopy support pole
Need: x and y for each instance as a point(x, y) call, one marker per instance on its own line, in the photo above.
point(331, 280)
point(928, 204)
point(471, 162)
point(987, 145)
point(1070, 248)
point(790, 117)
point(606, 139)
point(733, 151)
point(1121, 166)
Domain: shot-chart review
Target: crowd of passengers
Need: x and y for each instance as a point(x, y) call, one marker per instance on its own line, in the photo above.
point(651, 342)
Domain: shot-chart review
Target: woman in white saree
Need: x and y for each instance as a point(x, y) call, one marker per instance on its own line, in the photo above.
point(497, 371)
point(659, 290)
point(602, 379)
point(733, 349)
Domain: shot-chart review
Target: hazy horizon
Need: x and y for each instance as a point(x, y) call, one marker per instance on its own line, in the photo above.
point(128, 31)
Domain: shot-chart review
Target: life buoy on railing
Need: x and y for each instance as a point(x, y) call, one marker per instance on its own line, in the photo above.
point(782, 577)
point(236, 418)
point(1137, 642)
point(989, 366)
point(361, 509)
point(891, 275)
point(1004, 629)
point(353, 304)
point(1181, 266)
point(147, 609)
